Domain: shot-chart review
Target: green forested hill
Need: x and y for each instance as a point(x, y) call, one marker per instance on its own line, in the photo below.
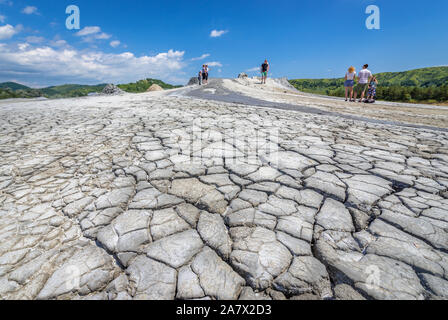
point(8, 93)
point(426, 84)
point(13, 86)
point(71, 90)
point(143, 85)
point(425, 77)
point(10, 90)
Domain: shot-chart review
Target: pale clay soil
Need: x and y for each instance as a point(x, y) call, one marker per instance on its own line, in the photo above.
point(169, 196)
point(430, 115)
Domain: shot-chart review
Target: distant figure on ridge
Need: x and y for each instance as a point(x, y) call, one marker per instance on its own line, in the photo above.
point(200, 77)
point(365, 76)
point(350, 78)
point(264, 71)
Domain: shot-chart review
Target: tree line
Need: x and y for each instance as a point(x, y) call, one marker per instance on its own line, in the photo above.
point(404, 94)
point(7, 93)
point(385, 91)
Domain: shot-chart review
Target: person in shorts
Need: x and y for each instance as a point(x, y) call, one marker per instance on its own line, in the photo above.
point(264, 71)
point(364, 78)
point(205, 74)
point(350, 78)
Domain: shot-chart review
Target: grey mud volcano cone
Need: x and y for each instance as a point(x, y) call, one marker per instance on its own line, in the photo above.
point(193, 81)
point(112, 89)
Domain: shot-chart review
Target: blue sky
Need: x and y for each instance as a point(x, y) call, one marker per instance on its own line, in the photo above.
point(123, 41)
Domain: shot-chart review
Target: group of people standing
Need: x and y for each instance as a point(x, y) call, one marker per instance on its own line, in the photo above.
point(203, 75)
point(365, 81)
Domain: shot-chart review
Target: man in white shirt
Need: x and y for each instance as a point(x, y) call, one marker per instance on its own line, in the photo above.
point(364, 78)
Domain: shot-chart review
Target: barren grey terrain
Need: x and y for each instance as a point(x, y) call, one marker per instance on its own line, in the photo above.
point(183, 195)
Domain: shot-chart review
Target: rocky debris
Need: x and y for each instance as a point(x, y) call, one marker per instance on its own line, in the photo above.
point(284, 82)
point(126, 234)
point(305, 275)
point(334, 216)
point(176, 250)
point(345, 292)
point(203, 195)
point(155, 87)
point(259, 256)
point(438, 286)
point(88, 270)
point(242, 75)
point(151, 280)
point(214, 232)
point(193, 81)
point(188, 285)
point(112, 89)
point(155, 204)
point(216, 277)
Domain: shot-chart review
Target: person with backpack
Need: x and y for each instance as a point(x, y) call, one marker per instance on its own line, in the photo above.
point(264, 71)
point(371, 94)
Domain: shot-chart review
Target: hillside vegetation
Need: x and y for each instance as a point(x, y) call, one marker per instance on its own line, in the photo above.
point(143, 85)
point(13, 86)
point(9, 90)
point(71, 90)
point(419, 85)
point(8, 93)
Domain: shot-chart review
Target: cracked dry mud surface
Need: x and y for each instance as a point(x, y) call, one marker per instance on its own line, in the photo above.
point(154, 197)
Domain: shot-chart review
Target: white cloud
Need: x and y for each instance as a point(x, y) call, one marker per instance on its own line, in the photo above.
point(30, 10)
point(92, 33)
point(214, 64)
point(68, 65)
point(8, 31)
point(253, 69)
point(23, 46)
point(206, 55)
point(34, 39)
point(115, 43)
point(88, 30)
point(103, 36)
point(59, 43)
point(217, 33)
point(2, 18)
